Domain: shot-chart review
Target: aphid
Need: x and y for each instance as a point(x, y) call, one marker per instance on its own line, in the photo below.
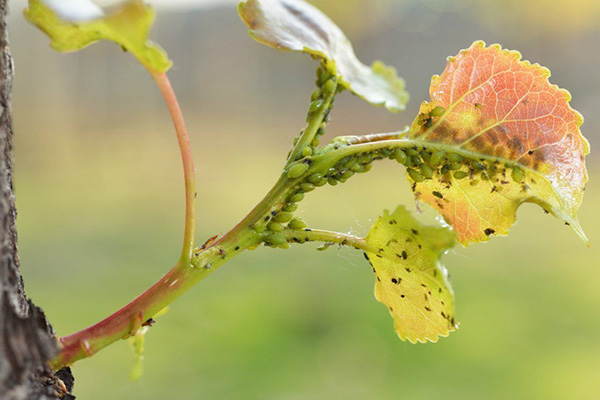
point(454, 166)
point(426, 171)
point(316, 94)
point(415, 160)
point(307, 187)
point(437, 158)
point(415, 175)
point(517, 174)
point(315, 105)
point(367, 168)
point(437, 194)
point(455, 158)
point(460, 174)
point(306, 151)
point(425, 155)
point(275, 226)
point(489, 231)
point(332, 181)
point(400, 156)
point(297, 197)
point(297, 170)
point(411, 152)
point(277, 239)
point(315, 142)
point(283, 217)
point(347, 174)
point(437, 111)
point(290, 207)
point(329, 86)
point(297, 223)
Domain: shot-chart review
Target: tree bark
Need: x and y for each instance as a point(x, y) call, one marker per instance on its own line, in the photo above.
point(26, 337)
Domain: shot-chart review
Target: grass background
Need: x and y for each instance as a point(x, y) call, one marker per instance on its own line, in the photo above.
point(100, 201)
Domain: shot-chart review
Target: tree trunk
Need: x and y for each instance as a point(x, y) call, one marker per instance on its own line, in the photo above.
point(26, 337)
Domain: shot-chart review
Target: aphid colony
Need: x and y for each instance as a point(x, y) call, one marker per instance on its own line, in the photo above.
point(422, 164)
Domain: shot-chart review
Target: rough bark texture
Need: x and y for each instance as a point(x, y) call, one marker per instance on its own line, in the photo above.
point(25, 335)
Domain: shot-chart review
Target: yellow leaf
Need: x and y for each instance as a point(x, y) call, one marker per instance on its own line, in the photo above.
point(410, 280)
point(127, 25)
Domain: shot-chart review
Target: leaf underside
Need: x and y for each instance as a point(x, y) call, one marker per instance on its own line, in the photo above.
point(410, 280)
point(502, 114)
point(128, 25)
point(297, 26)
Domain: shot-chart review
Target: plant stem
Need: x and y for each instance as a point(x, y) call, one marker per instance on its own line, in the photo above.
point(314, 123)
point(164, 85)
point(317, 235)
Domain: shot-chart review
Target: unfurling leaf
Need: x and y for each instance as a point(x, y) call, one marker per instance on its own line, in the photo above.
point(410, 280)
point(73, 29)
point(514, 138)
point(297, 26)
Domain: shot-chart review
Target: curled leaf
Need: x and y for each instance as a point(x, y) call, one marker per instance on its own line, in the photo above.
point(297, 26)
point(128, 25)
point(410, 279)
point(516, 137)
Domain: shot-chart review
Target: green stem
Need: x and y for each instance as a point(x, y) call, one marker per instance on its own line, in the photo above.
point(314, 123)
point(328, 237)
point(164, 85)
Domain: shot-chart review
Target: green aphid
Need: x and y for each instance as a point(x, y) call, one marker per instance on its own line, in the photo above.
point(306, 151)
point(329, 86)
point(277, 239)
point(367, 168)
point(426, 171)
point(297, 170)
point(321, 182)
point(437, 158)
point(455, 158)
point(437, 111)
point(460, 174)
point(315, 105)
point(290, 207)
point(415, 160)
point(324, 247)
point(346, 175)
point(454, 166)
point(415, 175)
point(400, 156)
point(314, 178)
point(411, 152)
point(357, 168)
point(275, 226)
point(478, 165)
point(284, 246)
point(297, 223)
point(445, 169)
point(283, 217)
point(474, 182)
point(297, 197)
point(517, 174)
point(316, 94)
point(307, 186)
point(332, 181)
point(315, 142)
point(426, 156)
point(351, 162)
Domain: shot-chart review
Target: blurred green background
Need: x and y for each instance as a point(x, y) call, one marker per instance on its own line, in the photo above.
point(100, 201)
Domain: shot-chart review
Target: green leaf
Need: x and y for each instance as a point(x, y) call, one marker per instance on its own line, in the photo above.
point(410, 280)
point(127, 25)
point(297, 26)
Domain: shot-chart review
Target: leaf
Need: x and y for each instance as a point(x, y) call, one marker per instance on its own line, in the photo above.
point(504, 116)
point(410, 280)
point(73, 29)
point(297, 26)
